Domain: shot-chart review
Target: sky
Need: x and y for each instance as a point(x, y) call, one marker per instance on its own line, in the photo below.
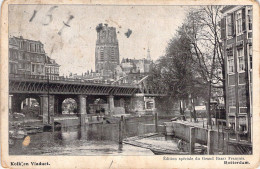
point(74, 47)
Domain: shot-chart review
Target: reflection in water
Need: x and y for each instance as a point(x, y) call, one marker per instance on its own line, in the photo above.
point(95, 139)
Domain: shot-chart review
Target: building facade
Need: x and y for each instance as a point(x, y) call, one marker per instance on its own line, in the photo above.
point(131, 71)
point(52, 69)
point(107, 51)
point(26, 57)
point(236, 35)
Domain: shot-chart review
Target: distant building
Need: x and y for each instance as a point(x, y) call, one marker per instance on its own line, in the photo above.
point(108, 69)
point(107, 51)
point(236, 35)
point(132, 70)
point(52, 69)
point(26, 56)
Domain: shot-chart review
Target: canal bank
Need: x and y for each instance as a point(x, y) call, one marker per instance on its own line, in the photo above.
point(215, 138)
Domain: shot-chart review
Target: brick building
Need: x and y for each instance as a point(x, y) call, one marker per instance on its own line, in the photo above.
point(236, 35)
point(26, 57)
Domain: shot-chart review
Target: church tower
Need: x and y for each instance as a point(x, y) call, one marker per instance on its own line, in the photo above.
point(107, 51)
point(148, 54)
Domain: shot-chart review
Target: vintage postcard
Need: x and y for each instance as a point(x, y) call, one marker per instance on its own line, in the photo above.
point(130, 84)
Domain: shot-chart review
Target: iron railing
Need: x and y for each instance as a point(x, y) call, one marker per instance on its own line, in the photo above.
point(148, 91)
point(63, 79)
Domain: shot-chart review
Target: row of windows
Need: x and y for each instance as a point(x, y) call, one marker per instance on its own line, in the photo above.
point(24, 66)
point(33, 47)
point(112, 55)
point(241, 59)
point(102, 55)
point(14, 55)
point(236, 23)
point(51, 77)
point(37, 68)
point(52, 70)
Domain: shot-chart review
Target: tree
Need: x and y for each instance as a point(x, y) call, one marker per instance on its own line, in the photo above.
point(193, 58)
point(203, 31)
point(176, 73)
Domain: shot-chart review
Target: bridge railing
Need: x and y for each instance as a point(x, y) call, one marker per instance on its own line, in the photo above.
point(64, 79)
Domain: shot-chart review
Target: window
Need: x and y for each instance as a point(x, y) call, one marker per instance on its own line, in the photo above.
point(57, 70)
point(39, 69)
point(21, 44)
point(249, 16)
point(230, 58)
point(101, 54)
point(20, 65)
point(32, 47)
point(28, 57)
point(12, 68)
point(28, 67)
point(251, 56)
point(23, 56)
point(15, 55)
point(241, 61)
point(37, 48)
point(33, 68)
point(230, 25)
point(239, 21)
point(37, 58)
point(223, 28)
point(42, 69)
point(113, 58)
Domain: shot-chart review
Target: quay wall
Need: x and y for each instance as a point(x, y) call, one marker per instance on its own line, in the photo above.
point(201, 135)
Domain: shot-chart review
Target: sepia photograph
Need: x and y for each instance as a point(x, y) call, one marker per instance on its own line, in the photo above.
point(80, 85)
point(130, 80)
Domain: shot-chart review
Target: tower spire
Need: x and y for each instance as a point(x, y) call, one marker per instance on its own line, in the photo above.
point(148, 54)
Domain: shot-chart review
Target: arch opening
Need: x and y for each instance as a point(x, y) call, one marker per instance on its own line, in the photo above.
point(99, 106)
point(30, 107)
point(69, 106)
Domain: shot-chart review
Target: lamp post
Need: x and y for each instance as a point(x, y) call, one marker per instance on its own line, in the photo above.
point(48, 82)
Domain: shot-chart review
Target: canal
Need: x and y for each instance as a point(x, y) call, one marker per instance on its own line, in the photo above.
point(93, 139)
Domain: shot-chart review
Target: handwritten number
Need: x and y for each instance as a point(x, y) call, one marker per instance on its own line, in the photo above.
point(49, 15)
point(49, 18)
point(34, 13)
point(66, 24)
